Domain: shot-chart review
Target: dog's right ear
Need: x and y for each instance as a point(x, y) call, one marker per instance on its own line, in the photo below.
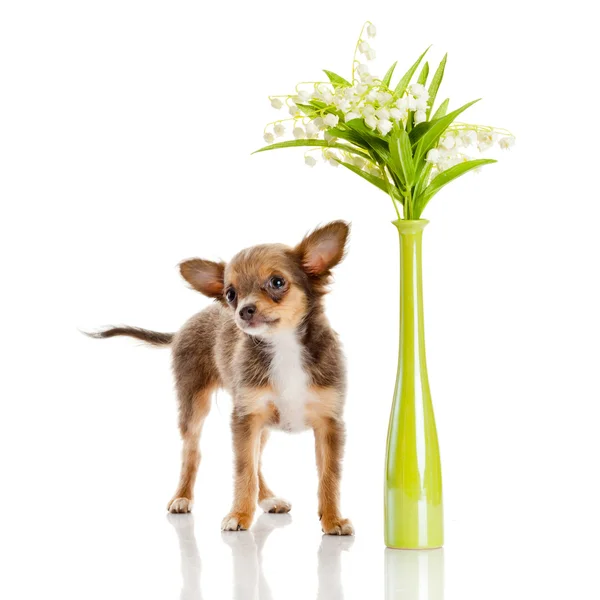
point(204, 275)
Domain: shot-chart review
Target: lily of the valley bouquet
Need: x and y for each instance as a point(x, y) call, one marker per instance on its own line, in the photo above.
point(392, 135)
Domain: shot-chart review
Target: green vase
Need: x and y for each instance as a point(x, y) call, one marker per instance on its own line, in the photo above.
point(413, 477)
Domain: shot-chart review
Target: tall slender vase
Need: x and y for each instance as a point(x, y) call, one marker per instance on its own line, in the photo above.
point(413, 476)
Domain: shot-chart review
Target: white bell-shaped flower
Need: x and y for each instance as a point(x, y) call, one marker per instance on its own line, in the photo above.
point(310, 160)
point(384, 126)
point(299, 133)
point(418, 90)
point(358, 161)
point(421, 103)
point(397, 114)
point(420, 116)
point(364, 47)
point(371, 30)
point(371, 121)
point(343, 105)
point(311, 128)
point(362, 69)
point(302, 97)
point(406, 103)
point(370, 54)
point(383, 97)
point(506, 142)
point(279, 129)
point(269, 137)
point(352, 115)
point(469, 137)
point(382, 113)
point(331, 120)
point(319, 123)
point(485, 140)
point(433, 156)
point(368, 110)
point(372, 95)
point(276, 103)
point(448, 142)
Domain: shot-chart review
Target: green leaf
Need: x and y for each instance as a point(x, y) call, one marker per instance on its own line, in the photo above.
point(376, 181)
point(401, 151)
point(445, 178)
point(378, 145)
point(403, 83)
point(435, 83)
point(418, 131)
point(397, 188)
point(363, 148)
point(317, 104)
point(336, 79)
point(388, 76)
point(423, 74)
point(436, 130)
point(308, 110)
point(348, 134)
point(422, 180)
point(441, 111)
point(312, 144)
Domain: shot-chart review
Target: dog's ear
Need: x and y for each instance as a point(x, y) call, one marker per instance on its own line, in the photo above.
point(204, 275)
point(323, 249)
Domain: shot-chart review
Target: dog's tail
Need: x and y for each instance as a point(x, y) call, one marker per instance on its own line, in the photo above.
point(151, 337)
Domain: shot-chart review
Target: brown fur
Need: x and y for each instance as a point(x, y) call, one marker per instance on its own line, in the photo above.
point(216, 348)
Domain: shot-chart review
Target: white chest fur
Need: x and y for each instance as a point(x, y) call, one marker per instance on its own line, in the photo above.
point(290, 380)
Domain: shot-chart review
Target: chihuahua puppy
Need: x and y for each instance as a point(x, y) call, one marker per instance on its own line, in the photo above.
point(267, 341)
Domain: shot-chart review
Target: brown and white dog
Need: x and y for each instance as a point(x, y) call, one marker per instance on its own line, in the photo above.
point(267, 341)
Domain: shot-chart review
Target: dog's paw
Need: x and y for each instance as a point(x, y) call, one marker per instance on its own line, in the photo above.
point(236, 521)
point(180, 505)
point(336, 526)
point(275, 505)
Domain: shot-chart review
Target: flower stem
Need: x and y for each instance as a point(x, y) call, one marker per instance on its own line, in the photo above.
point(395, 207)
point(354, 61)
point(408, 205)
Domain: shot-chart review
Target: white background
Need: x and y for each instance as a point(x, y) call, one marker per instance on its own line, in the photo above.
point(125, 137)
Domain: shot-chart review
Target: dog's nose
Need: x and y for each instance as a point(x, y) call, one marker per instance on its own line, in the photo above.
point(247, 312)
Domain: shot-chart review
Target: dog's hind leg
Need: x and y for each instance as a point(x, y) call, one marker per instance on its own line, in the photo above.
point(193, 411)
point(266, 498)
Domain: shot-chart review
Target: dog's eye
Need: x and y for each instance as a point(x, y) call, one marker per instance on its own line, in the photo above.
point(277, 282)
point(230, 295)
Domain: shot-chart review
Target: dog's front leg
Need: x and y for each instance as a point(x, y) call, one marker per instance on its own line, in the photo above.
point(246, 429)
point(329, 446)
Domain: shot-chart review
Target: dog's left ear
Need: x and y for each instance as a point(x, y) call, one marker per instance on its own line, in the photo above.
point(323, 249)
point(204, 275)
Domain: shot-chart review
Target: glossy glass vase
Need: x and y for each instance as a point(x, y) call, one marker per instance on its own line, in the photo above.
point(413, 477)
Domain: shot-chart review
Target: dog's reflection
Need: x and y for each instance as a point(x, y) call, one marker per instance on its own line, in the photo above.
point(246, 547)
point(414, 574)
point(190, 557)
point(329, 566)
point(249, 581)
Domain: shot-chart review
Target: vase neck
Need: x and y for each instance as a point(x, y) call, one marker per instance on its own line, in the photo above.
point(411, 292)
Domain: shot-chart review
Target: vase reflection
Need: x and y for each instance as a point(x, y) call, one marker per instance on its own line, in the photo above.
point(414, 574)
point(249, 579)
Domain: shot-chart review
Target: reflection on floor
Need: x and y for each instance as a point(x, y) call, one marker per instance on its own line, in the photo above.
point(409, 574)
point(246, 546)
point(414, 574)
